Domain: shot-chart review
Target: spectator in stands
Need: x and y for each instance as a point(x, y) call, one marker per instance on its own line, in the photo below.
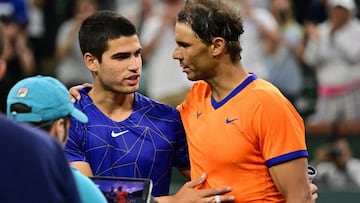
point(283, 59)
point(17, 54)
point(331, 51)
point(157, 35)
point(37, 31)
point(261, 30)
point(337, 168)
point(138, 12)
point(71, 69)
point(316, 12)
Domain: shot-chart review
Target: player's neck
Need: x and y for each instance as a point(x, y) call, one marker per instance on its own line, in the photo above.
point(227, 81)
point(116, 106)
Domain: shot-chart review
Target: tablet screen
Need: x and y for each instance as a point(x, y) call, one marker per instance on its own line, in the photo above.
point(124, 190)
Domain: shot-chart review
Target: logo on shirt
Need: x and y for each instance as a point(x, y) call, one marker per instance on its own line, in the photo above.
point(114, 134)
point(230, 120)
point(198, 114)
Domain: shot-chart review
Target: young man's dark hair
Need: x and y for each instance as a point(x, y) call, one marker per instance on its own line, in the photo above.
point(101, 27)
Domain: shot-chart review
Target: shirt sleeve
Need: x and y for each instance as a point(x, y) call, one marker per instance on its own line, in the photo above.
point(74, 149)
point(280, 130)
point(181, 153)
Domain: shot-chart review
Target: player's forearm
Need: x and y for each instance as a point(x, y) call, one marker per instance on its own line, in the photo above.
point(300, 197)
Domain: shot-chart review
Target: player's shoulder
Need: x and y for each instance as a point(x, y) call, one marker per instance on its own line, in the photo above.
point(85, 99)
point(262, 92)
point(263, 89)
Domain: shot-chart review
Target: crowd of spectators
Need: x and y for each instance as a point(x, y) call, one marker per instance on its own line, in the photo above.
point(279, 45)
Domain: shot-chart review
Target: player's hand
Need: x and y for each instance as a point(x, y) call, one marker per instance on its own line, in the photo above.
point(74, 91)
point(188, 193)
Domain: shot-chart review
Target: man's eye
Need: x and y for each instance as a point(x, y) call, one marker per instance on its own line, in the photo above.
point(123, 57)
point(183, 45)
point(137, 54)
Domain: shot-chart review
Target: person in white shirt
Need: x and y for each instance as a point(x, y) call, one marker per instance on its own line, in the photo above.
point(332, 50)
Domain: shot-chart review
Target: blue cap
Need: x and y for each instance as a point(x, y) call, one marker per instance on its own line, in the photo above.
point(47, 97)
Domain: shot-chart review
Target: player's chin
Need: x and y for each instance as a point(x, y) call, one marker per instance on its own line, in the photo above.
point(192, 77)
point(132, 89)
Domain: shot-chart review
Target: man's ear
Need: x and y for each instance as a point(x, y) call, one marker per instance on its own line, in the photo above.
point(58, 130)
point(2, 68)
point(91, 62)
point(218, 46)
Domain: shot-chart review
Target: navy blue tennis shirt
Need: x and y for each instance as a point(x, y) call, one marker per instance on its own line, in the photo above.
point(147, 144)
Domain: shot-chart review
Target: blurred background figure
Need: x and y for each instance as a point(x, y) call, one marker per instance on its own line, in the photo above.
point(316, 12)
point(139, 11)
point(284, 56)
point(36, 30)
point(2, 61)
point(44, 18)
point(17, 53)
point(164, 80)
point(261, 29)
point(331, 51)
point(261, 3)
point(71, 69)
point(337, 168)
